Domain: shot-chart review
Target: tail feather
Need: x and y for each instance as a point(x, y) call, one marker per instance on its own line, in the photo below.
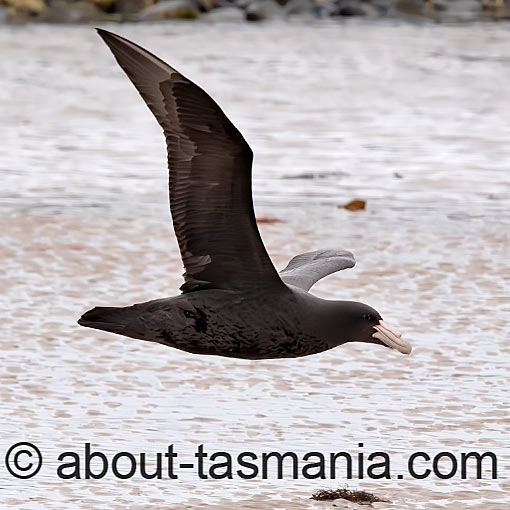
point(106, 318)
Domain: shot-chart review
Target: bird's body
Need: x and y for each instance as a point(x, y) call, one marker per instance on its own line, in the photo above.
point(233, 303)
point(222, 322)
point(233, 323)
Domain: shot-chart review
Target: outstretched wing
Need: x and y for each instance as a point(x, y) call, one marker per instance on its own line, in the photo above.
point(308, 268)
point(210, 176)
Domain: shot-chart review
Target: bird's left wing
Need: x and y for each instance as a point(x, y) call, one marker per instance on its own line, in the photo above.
point(306, 269)
point(209, 177)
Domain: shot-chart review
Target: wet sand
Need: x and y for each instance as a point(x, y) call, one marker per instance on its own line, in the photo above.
point(84, 222)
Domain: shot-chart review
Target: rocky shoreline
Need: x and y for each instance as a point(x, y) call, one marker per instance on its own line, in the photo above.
point(84, 11)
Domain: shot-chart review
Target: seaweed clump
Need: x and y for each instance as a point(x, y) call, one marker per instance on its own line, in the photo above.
point(353, 495)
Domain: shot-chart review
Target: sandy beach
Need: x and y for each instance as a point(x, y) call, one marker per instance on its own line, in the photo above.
point(412, 119)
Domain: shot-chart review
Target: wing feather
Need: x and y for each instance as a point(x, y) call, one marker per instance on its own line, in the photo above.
point(209, 176)
point(305, 270)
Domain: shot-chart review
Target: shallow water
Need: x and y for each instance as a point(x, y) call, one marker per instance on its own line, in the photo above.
point(413, 119)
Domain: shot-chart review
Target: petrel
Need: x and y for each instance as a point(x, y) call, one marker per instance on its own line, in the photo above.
point(233, 301)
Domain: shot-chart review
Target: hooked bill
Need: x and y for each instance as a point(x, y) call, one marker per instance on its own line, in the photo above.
point(391, 337)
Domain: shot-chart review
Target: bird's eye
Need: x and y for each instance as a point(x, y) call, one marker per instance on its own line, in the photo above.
point(368, 317)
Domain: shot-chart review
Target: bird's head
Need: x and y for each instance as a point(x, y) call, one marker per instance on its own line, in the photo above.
point(361, 323)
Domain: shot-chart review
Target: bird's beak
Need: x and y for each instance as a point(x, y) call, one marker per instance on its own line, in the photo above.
point(391, 337)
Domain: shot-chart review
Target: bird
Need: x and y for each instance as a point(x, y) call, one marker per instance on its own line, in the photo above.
point(233, 302)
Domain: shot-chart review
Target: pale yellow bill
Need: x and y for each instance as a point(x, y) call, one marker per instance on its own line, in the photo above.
point(391, 337)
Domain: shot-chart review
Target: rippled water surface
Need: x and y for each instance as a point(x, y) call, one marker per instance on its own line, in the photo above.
point(412, 119)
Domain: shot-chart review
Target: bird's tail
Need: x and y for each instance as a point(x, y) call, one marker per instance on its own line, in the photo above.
point(107, 318)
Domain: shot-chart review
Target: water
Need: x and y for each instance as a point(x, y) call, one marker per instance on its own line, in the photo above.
point(412, 119)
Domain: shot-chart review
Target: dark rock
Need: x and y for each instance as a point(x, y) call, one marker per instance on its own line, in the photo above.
point(348, 8)
point(24, 8)
point(373, 10)
point(382, 6)
point(416, 8)
point(241, 4)
point(169, 9)
point(77, 12)
point(351, 10)
point(4, 14)
point(262, 10)
point(207, 5)
point(463, 10)
point(228, 13)
point(127, 8)
point(496, 9)
point(437, 6)
point(104, 5)
point(296, 7)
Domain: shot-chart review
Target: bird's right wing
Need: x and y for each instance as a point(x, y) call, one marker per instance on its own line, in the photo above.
point(306, 269)
point(210, 176)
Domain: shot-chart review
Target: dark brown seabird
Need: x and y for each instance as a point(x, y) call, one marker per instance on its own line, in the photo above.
point(233, 303)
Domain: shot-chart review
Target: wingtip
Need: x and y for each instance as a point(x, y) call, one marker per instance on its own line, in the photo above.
point(104, 34)
point(107, 36)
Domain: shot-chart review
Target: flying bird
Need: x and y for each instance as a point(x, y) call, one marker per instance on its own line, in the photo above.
point(233, 301)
